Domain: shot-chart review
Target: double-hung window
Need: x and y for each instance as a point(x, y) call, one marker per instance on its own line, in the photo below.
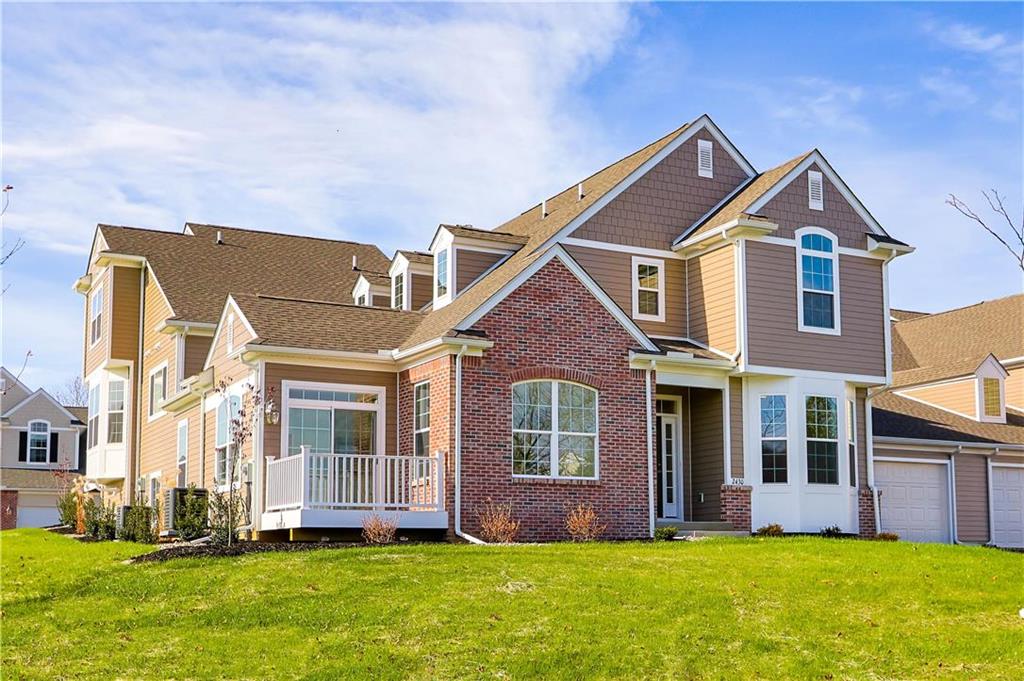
point(228, 413)
point(93, 437)
point(817, 300)
point(822, 422)
point(96, 315)
point(774, 446)
point(182, 453)
point(421, 419)
point(398, 292)
point(115, 411)
point(554, 430)
point(157, 389)
point(38, 442)
point(648, 289)
point(441, 274)
point(851, 439)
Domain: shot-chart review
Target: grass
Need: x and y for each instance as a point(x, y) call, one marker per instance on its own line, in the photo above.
point(723, 608)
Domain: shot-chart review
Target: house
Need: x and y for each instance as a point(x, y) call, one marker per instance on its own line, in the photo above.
point(40, 440)
point(677, 338)
point(949, 431)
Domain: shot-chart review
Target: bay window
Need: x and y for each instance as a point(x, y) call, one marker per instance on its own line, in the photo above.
point(554, 430)
point(851, 439)
point(115, 411)
point(774, 445)
point(822, 429)
point(817, 298)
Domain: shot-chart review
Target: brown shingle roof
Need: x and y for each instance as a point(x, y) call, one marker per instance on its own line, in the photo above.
point(375, 278)
point(562, 208)
point(472, 232)
point(418, 257)
point(897, 416)
point(19, 478)
point(320, 325)
point(953, 343)
point(736, 206)
point(904, 315)
point(196, 274)
point(80, 413)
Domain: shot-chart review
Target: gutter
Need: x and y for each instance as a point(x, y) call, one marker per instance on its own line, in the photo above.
point(458, 449)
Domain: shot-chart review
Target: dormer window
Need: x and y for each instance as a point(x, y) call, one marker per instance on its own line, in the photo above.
point(398, 291)
point(990, 391)
point(441, 272)
point(818, 281)
point(705, 159)
point(992, 397)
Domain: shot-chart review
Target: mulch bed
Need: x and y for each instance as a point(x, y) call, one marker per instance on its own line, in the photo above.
point(175, 551)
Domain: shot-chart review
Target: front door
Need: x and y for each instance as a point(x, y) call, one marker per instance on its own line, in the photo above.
point(667, 422)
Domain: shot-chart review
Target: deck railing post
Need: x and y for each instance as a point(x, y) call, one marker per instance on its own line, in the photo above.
point(439, 489)
point(306, 475)
point(266, 484)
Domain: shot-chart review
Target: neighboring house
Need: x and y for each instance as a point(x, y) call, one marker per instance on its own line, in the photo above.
point(38, 437)
point(949, 433)
point(677, 338)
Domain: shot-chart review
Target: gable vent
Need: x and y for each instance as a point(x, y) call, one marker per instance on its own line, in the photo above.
point(815, 191)
point(705, 159)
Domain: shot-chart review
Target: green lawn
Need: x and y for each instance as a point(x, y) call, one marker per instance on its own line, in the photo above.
point(799, 607)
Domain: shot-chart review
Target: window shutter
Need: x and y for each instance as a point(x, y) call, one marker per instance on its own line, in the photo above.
point(53, 447)
point(23, 446)
point(705, 159)
point(815, 191)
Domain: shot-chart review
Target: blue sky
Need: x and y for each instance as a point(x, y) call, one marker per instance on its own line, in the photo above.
point(377, 122)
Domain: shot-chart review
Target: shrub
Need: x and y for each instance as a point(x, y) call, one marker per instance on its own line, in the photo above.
point(191, 516)
point(100, 521)
point(770, 530)
point(583, 523)
point(378, 530)
point(67, 507)
point(666, 533)
point(497, 526)
point(227, 516)
point(138, 525)
point(831, 532)
point(887, 536)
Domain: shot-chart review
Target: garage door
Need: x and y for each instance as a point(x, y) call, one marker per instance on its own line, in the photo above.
point(913, 500)
point(29, 516)
point(1008, 506)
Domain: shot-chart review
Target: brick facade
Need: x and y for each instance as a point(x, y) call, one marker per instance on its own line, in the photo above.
point(8, 509)
point(866, 513)
point(735, 506)
point(586, 345)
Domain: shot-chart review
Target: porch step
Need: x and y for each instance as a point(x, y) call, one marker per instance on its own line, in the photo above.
point(710, 533)
point(695, 526)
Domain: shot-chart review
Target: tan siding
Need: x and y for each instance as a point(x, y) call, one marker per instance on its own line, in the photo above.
point(971, 475)
point(381, 301)
point(659, 206)
point(711, 297)
point(959, 396)
point(909, 454)
point(772, 315)
point(422, 291)
point(862, 438)
point(736, 426)
point(471, 264)
point(95, 355)
point(707, 449)
point(158, 440)
point(789, 209)
point(275, 373)
point(124, 335)
point(612, 270)
point(196, 349)
point(1015, 388)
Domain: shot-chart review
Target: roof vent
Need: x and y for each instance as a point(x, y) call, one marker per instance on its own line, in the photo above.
point(579, 192)
point(220, 237)
point(544, 208)
point(355, 264)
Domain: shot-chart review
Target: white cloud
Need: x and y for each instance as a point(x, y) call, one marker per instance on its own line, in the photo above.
point(1005, 53)
point(947, 91)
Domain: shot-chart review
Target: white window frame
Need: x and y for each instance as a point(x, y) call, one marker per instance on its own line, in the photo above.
point(447, 253)
point(834, 256)
point(555, 432)
point(398, 300)
point(181, 457)
point(92, 438)
point(851, 441)
point(416, 431)
point(152, 405)
point(380, 407)
point(784, 438)
point(28, 443)
point(110, 411)
point(225, 448)
point(635, 286)
point(838, 440)
point(706, 147)
point(95, 316)
point(812, 203)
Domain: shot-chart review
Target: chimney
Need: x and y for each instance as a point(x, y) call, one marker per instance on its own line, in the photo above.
point(579, 192)
point(220, 237)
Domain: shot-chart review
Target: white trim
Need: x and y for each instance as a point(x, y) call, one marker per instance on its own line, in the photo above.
point(449, 261)
point(815, 157)
point(805, 438)
point(705, 147)
point(621, 248)
point(229, 304)
point(908, 459)
point(861, 379)
point(759, 451)
point(177, 450)
point(851, 438)
point(832, 256)
point(554, 432)
point(948, 446)
point(727, 477)
point(679, 484)
point(33, 395)
point(97, 293)
point(406, 302)
point(740, 279)
point(990, 370)
point(814, 176)
point(635, 288)
point(28, 443)
point(558, 252)
point(152, 404)
point(415, 405)
point(842, 250)
point(650, 451)
point(379, 407)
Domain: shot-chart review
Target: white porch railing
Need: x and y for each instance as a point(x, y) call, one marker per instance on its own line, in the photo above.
point(355, 482)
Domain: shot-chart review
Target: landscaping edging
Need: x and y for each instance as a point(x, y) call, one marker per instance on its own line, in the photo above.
point(175, 551)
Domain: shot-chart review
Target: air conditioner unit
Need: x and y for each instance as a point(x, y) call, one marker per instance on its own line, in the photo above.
point(174, 498)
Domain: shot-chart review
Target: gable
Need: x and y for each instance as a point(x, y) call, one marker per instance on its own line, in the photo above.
point(14, 391)
point(39, 406)
point(652, 211)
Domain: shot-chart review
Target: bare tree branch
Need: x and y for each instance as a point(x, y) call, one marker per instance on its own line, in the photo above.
point(7, 198)
point(998, 207)
point(73, 393)
point(17, 376)
point(996, 204)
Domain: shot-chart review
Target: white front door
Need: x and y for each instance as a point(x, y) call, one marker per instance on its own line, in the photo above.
point(669, 458)
point(1007, 506)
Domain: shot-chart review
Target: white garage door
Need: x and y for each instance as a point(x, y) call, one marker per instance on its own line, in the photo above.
point(29, 516)
point(914, 500)
point(1008, 506)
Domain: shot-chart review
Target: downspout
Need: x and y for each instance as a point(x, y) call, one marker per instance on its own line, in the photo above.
point(458, 450)
point(952, 494)
point(136, 457)
point(650, 450)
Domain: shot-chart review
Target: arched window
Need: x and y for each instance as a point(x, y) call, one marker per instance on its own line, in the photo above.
point(554, 430)
point(38, 441)
point(817, 257)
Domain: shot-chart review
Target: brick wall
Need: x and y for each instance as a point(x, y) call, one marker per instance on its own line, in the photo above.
point(8, 509)
point(735, 506)
point(586, 345)
point(866, 513)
